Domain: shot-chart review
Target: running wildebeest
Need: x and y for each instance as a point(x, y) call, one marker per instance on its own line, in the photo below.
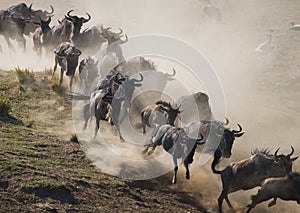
point(88, 72)
point(66, 55)
point(219, 138)
point(176, 142)
point(285, 188)
point(158, 114)
point(249, 173)
point(12, 27)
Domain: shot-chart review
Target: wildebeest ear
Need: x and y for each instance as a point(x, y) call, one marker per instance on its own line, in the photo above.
point(237, 135)
point(295, 158)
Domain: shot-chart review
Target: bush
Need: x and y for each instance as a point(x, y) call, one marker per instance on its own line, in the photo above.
point(4, 106)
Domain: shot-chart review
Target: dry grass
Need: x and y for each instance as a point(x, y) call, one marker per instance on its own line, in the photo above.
point(24, 76)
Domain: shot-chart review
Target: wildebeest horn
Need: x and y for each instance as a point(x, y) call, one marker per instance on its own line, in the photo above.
point(69, 13)
point(237, 131)
point(200, 139)
point(173, 74)
point(289, 155)
point(52, 10)
point(30, 6)
point(126, 39)
point(86, 19)
point(142, 78)
point(121, 31)
point(275, 154)
point(226, 121)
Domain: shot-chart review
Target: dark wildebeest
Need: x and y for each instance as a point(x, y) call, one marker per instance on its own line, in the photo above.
point(90, 39)
point(12, 27)
point(66, 55)
point(158, 114)
point(77, 23)
point(176, 142)
point(111, 80)
point(285, 188)
point(28, 12)
point(219, 138)
point(88, 72)
point(249, 173)
point(195, 107)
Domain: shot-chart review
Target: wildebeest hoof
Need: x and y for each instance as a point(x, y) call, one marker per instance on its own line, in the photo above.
point(150, 152)
point(272, 203)
point(174, 181)
point(187, 176)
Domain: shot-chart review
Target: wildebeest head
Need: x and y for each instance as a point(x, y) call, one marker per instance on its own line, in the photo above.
point(113, 37)
point(172, 112)
point(285, 161)
point(77, 21)
point(227, 138)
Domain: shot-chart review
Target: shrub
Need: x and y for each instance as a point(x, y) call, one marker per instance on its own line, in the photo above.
point(24, 76)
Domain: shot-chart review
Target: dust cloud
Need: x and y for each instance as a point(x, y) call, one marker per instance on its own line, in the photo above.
point(262, 90)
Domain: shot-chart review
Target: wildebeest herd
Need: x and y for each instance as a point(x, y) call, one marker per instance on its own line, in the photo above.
point(108, 95)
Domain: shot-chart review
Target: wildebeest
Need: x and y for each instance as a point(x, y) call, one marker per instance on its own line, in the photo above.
point(249, 173)
point(195, 107)
point(285, 188)
point(158, 114)
point(77, 23)
point(12, 27)
point(88, 72)
point(219, 138)
point(176, 142)
point(66, 55)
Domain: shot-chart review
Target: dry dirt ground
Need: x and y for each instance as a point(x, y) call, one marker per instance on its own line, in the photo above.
point(42, 170)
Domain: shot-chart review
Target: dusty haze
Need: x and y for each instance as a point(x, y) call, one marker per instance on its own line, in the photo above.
point(262, 91)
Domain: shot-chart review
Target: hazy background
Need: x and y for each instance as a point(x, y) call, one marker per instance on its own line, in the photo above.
point(262, 91)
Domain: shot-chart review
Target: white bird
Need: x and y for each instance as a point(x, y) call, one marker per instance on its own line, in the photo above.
point(294, 26)
point(265, 46)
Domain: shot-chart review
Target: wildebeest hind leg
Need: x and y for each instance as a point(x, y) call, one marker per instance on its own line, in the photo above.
point(187, 171)
point(220, 199)
point(273, 202)
point(175, 170)
point(228, 202)
point(61, 76)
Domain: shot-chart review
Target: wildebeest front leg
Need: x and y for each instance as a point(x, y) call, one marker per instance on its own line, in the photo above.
point(61, 75)
point(175, 170)
point(10, 46)
point(71, 82)
point(187, 171)
point(258, 198)
point(55, 67)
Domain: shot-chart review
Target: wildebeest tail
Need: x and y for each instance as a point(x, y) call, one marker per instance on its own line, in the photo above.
point(217, 156)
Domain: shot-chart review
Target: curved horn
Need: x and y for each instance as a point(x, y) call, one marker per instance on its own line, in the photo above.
point(52, 10)
point(30, 6)
point(276, 152)
point(142, 78)
point(120, 33)
point(238, 131)
point(173, 74)
point(200, 139)
point(226, 121)
point(69, 13)
point(289, 155)
point(86, 19)
point(126, 39)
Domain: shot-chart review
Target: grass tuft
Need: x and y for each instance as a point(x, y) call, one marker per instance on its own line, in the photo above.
point(24, 76)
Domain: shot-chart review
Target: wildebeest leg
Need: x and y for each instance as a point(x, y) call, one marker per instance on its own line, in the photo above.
point(71, 82)
point(258, 198)
point(220, 199)
point(187, 171)
point(273, 202)
point(61, 75)
point(10, 46)
point(152, 150)
point(97, 127)
point(228, 202)
point(1, 49)
point(175, 170)
point(55, 67)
